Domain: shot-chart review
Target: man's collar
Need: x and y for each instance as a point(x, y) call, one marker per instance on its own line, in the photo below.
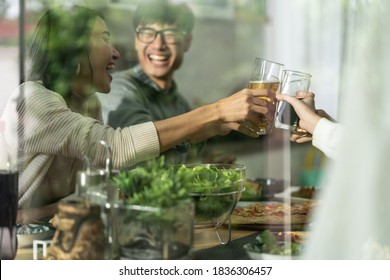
point(142, 76)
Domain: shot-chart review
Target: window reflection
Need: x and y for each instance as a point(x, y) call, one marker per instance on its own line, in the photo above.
point(228, 35)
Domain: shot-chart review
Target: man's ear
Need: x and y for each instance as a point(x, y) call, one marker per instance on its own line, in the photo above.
point(135, 39)
point(187, 42)
point(135, 43)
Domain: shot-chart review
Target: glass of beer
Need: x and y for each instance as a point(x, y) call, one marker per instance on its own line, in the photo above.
point(285, 116)
point(265, 74)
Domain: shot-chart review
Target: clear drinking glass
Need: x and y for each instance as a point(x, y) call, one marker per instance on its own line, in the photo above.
point(265, 74)
point(285, 115)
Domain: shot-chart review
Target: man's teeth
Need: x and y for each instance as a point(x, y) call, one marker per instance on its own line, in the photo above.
point(158, 57)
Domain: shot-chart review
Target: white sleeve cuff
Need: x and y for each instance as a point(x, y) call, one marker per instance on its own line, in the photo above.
point(326, 137)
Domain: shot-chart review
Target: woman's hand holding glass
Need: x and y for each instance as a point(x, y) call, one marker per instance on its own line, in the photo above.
point(240, 112)
point(304, 106)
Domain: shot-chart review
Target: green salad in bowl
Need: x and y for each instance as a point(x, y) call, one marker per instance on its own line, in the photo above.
point(216, 189)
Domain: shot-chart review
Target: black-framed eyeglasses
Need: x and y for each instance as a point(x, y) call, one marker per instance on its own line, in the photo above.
point(170, 36)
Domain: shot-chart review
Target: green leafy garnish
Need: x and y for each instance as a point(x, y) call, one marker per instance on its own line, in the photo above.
point(206, 179)
point(268, 243)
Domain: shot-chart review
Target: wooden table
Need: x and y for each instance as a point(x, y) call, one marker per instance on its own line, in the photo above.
point(206, 238)
point(203, 238)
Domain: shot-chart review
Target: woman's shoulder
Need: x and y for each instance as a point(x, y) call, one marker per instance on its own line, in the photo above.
point(36, 90)
point(34, 86)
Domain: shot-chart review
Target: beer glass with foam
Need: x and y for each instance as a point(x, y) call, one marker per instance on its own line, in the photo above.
point(265, 74)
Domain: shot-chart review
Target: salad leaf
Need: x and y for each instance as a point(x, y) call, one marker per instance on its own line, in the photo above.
point(268, 243)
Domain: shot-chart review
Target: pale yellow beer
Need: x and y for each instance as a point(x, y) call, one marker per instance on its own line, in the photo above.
point(271, 86)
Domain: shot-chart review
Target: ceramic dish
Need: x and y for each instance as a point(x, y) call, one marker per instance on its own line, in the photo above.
point(285, 245)
point(261, 189)
point(27, 233)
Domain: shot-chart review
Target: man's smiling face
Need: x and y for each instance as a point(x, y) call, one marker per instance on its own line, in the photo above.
point(158, 59)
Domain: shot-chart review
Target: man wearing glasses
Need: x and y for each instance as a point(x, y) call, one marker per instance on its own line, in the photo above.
point(147, 91)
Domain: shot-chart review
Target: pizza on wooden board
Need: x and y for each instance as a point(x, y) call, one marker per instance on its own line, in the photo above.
point(272, 213)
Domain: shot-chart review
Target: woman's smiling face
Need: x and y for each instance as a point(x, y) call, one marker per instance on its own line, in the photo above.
point(95, 67)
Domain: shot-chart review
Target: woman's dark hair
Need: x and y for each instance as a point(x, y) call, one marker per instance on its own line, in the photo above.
point(61, 37)
point(164, 11)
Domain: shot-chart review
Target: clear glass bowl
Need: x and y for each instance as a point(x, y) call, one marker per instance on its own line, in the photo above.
point(214, 203)
point(151, 233)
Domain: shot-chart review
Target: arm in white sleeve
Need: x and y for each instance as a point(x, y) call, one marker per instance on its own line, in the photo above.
point(326, 137)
